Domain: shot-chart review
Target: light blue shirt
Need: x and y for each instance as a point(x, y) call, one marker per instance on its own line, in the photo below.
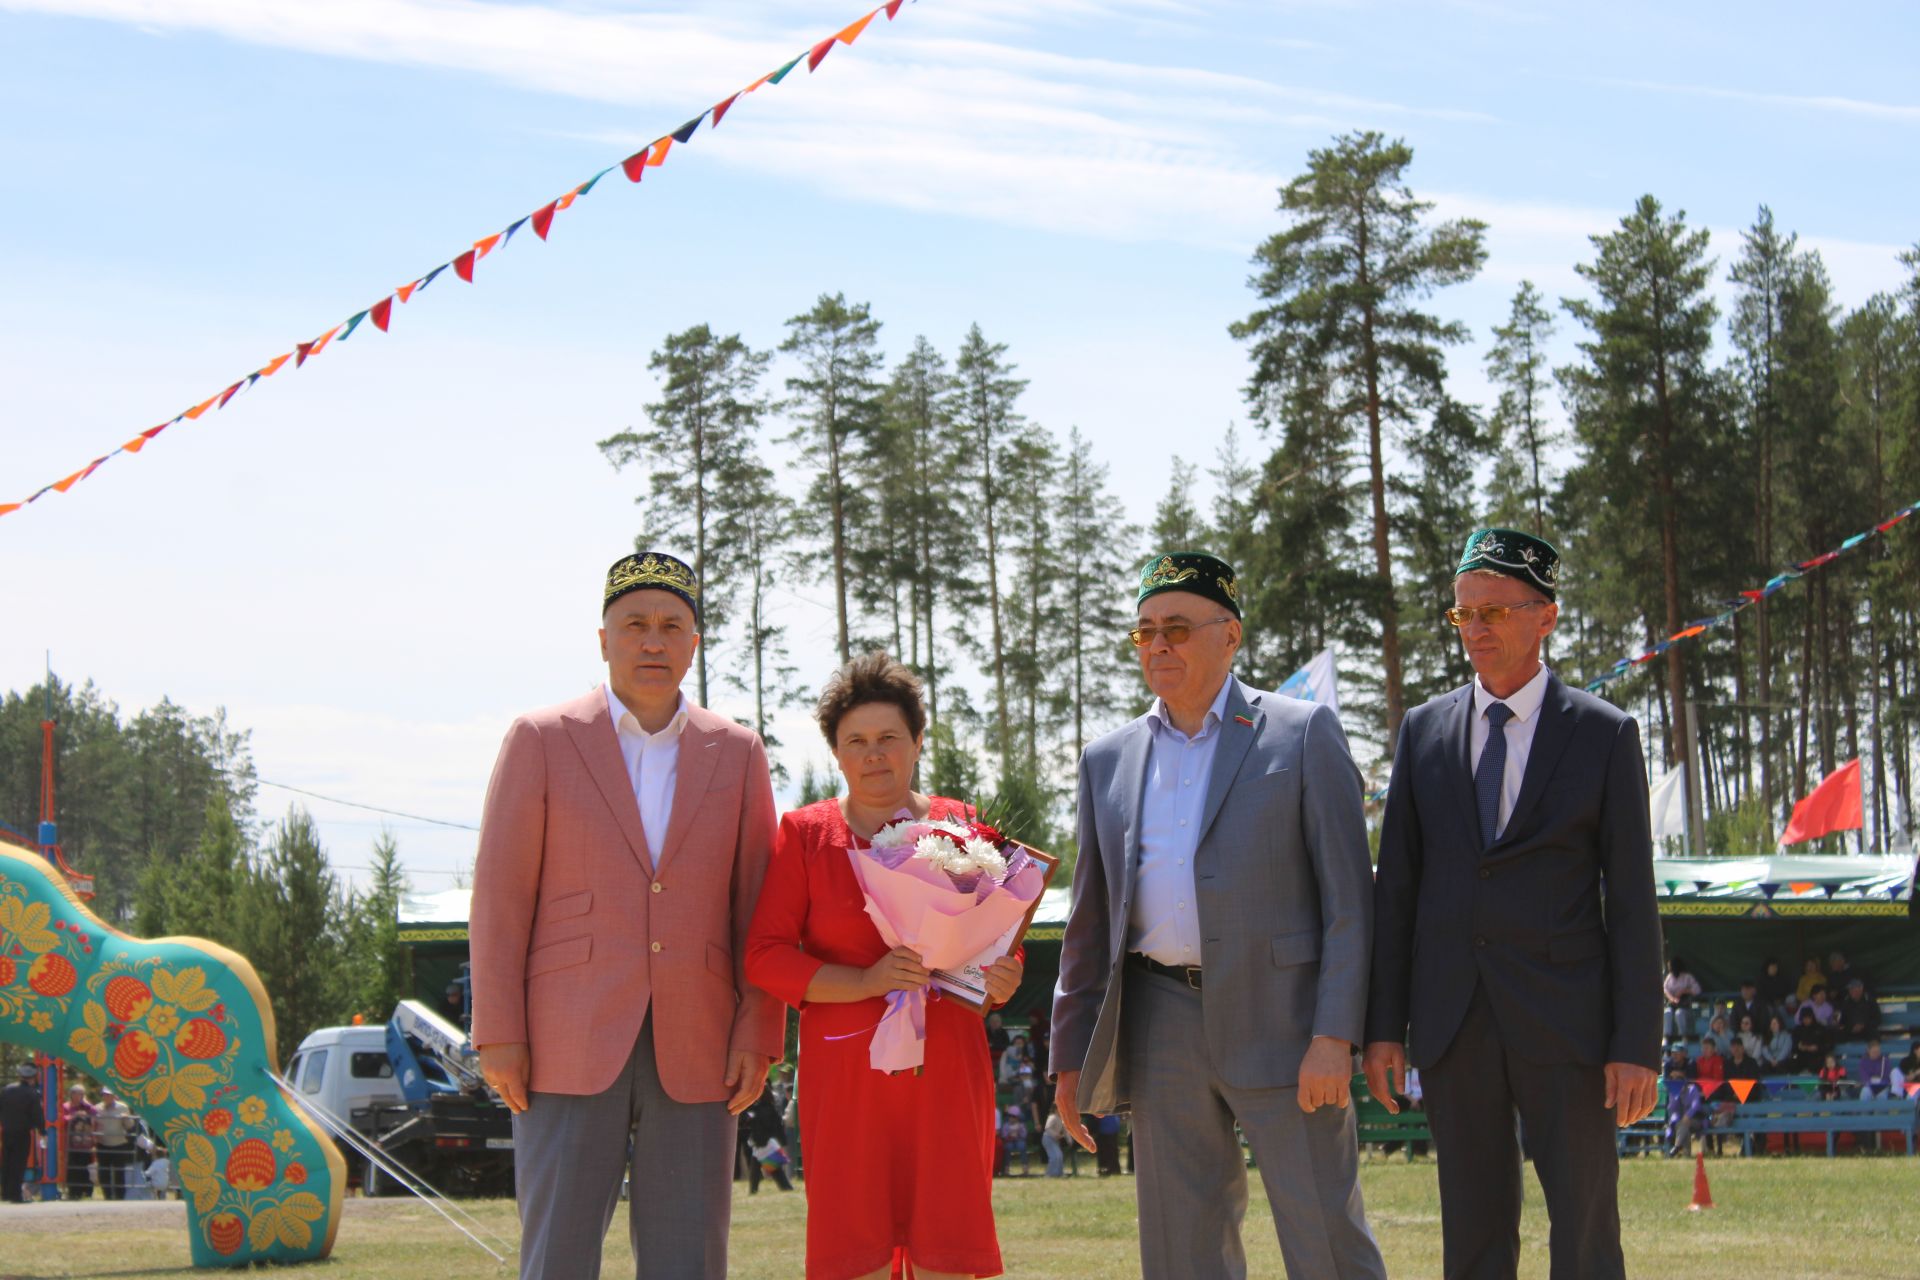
point(1164, 922)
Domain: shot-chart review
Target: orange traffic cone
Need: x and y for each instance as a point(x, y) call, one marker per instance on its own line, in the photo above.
point(1702, 1194)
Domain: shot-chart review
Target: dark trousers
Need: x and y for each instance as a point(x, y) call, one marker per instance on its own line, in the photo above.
point(1472, 1095)
point(79, 1175)
point(14, 1146)
point(116, 1166)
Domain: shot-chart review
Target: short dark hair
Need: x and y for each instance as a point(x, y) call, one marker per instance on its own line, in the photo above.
point(871, 677)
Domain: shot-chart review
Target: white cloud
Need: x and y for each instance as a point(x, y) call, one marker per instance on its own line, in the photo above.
point(1089, 146)
point(1898, 113)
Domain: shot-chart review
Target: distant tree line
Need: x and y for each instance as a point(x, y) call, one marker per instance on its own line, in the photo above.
point(159, 810)
point(1681, 457)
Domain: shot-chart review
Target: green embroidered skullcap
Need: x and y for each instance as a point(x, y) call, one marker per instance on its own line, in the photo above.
point(1194, 571)
point(654, 570)
point(1518, 555)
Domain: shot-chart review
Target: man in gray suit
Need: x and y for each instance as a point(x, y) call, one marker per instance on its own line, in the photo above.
point(1214, 966)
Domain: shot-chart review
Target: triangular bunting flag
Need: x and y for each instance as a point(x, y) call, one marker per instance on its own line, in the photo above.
point(776, 77)
point(1800, 886)
point(200, 408)
point(61, 486)
point(463, 266)
point(893, 8)
point(353, 322)
point(431, 276)
point(720, 109)
point(151, 432)
point(757, 83)
point(273, 366)
point(7, 507)
point(685, 131)
point(1768, 888)
point(484, 246)
point(1742, 1089)
point(382, 313)
point(506, 237)
point(1882, 528)
point(1701, 886)
point(635, 165)
point(852, 30)
point(230, 392)
point(587, 186)
point(543, 218)
point(819, 54)
point(135, 445)
point(405, 291)
point(566, 201)
point(320, 343)
point(1710, 1087)
point(659, 153)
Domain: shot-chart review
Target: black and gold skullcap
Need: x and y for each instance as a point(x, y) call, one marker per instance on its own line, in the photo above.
point(1518, 555)
point(652, 570)
point(1194, 571)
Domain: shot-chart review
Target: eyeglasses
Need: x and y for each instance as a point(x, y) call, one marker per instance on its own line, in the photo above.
point(1491, 614)
point(1175, 632)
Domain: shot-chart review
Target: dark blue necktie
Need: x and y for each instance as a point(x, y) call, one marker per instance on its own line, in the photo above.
point(1493, 768)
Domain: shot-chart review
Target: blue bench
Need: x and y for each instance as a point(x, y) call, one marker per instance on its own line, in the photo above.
point(1762, 1117)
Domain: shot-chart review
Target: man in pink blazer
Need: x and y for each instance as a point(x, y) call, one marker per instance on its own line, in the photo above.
point(622, 848)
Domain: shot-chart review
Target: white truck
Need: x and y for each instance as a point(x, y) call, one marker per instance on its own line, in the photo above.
point(413, 1089)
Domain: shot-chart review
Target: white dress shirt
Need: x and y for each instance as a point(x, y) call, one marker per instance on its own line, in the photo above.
point(1525, 705)
point(1164, 923)
point(653, 762)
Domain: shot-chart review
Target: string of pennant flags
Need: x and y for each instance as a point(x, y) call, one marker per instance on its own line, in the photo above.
point(380, 313)
point(1747, 599)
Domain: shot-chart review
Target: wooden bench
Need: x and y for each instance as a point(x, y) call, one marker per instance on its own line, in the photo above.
point(1377, 1126)
point(1763, 1117)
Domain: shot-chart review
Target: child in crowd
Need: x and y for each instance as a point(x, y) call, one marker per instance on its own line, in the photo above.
point(1832, 1077)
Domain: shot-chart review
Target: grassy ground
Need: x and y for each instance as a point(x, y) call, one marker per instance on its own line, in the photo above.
point(1778, 1219)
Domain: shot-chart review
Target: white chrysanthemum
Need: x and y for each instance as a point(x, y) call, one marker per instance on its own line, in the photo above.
point(987, 858)
point(893, 836)
point(938, 850)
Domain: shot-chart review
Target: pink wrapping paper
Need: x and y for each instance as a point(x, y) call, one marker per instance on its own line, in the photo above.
point(915, 904)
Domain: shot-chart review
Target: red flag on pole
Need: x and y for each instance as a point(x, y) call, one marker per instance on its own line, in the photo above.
point(1834, 805)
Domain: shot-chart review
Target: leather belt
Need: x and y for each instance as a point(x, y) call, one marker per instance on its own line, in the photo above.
point(1187, 973)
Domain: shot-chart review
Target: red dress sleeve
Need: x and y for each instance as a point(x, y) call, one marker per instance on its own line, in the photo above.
point(775, 962)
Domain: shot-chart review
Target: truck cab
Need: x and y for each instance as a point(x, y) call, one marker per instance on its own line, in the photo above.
point(345, 1069)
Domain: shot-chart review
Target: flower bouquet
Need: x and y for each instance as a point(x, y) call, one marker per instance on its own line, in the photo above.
point(960, 894)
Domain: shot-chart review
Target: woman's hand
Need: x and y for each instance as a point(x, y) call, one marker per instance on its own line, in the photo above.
point(1003, 979)
point(898, 970)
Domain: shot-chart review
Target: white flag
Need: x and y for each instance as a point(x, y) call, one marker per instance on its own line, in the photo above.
point(1314, 682)
point(1668, 801)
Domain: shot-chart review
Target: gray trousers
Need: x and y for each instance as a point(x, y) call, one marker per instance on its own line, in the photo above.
point(570, 1151)
point(1190, 1176)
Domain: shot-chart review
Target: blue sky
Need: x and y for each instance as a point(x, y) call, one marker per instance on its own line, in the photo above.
point(376, 561)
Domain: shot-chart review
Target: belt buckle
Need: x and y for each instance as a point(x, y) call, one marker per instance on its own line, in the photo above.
point(1192, 975)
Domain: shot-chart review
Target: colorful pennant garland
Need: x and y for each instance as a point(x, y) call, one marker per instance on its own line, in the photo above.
point(652, 155)
point(1746, 599)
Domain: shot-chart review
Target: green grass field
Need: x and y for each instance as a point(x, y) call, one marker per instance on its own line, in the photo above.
point(1778, 1219)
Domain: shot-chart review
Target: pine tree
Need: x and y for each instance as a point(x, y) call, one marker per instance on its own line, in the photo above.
point(293, 913)
point(918, 412)
point(704, 428)
point(835, 403)
point(1177, 524)
point(1517, 362)
point(1767, 263)
point(982, 408)
point(1034, 618)
point(758, 523)
point(1094, 581)
point(1645, 404)
point(1433, 509)
point(1339, 289)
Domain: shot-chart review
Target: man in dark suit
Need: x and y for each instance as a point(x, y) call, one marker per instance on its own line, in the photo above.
point(1516, 932)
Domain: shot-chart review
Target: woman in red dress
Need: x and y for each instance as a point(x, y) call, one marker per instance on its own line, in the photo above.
point(899, 1167)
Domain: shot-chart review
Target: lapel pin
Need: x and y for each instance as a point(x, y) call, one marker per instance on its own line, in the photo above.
point(1243, 720)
